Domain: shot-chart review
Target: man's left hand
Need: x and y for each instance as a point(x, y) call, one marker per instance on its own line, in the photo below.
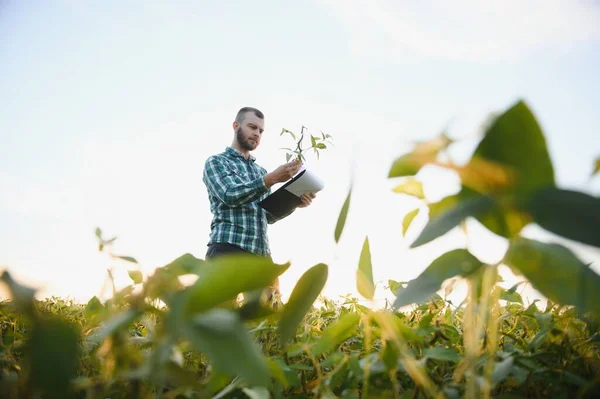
point(306, 199)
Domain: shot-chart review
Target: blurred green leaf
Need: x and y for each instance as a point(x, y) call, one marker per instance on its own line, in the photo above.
point(22, 296)
point(571, 214)
point(53, 354)
point(424, 152)
point(596, 166)
point(411, 187)
point(221, 336)
point(556, 272)
point(185, 264)
point(502, 369)
point(456, 262)
point(408, 218)
point(409, 164)
point(93, 308)
point(126, 258)
point(136, 276)
point(335, 333)
point(364, 274)
point(510, 296)
point(516, 140)
point(446, 221)
point(305, 292)
point(117, 322)
point(389, 355)
point(339, 227)
point(223, 278)
point(440, 353)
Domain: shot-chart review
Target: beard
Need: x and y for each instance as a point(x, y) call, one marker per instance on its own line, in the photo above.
point(244, 142)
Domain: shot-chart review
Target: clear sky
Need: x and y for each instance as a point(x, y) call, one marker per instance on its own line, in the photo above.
point(109, 109)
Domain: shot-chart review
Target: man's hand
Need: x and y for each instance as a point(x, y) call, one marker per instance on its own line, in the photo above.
point(306, 199)
point(283, 173)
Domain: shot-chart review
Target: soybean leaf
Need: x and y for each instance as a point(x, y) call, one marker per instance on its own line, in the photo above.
point(21, 295)
point(456, 262)
point(570, 214)
point(126, 258)
point(408, 218)
point(411, 187)
point(336, 333)
point(224, 277)
point(136, 276)
point(92, 308)
point(305, 292)
point(185, 264)
point(516, 140)
point(440, 353)
point(445, 221)
point(364, 274)
point(556, 272)
point(339, 227)
point(409, 164)
point(221, 336)
point(53, 355)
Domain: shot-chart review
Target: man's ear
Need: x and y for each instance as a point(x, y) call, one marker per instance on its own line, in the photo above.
point(236, 125)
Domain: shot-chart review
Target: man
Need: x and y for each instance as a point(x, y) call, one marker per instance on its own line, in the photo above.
point(236, 184)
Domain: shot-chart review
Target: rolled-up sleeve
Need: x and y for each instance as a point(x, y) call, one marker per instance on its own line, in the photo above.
point(228, 187)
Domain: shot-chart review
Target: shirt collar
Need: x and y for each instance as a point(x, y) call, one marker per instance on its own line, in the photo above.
point(236, 153)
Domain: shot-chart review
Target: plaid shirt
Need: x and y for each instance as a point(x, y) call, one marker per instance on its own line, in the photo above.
point(235, 186)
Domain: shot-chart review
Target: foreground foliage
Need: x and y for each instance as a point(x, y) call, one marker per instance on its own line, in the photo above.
point(160, 338)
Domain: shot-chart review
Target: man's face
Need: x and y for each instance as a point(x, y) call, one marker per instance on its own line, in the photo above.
point(248, 134)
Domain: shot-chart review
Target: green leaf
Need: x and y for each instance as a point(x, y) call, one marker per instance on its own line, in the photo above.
point(445, 354)
point(136, 276)
point(22, 296)
point(321, 146)
point(501, 370)
point(411, 187)
point(221, 336)
point(395, 286)
point(556, 272)
point(117, 322)
point(390, 355)
point(596, 166)
point(185, 264)
point(339, 227)
point(409, 164)
point(456, 262)
point(571, 214)
point(424, 152)
point(516, 140)
point(98, 232)
point(446, 221)
point(53, 355)
point(126, 258)
point(510, 296)
point(364, 274)
point(408, 218)
point(92, 308)
point(313, 141)
point(288, 157)
point(223, 278)
point(335, 333)
point(305, 292)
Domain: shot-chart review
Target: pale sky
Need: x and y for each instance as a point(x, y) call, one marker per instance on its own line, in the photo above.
point(109, 110)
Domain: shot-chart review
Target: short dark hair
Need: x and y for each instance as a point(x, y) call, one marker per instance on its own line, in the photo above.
point(241, 115)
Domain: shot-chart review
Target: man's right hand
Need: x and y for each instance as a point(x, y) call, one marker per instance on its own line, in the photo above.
point(283, 173)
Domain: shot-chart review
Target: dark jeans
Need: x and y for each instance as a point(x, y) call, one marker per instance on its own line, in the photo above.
point(222, 248)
